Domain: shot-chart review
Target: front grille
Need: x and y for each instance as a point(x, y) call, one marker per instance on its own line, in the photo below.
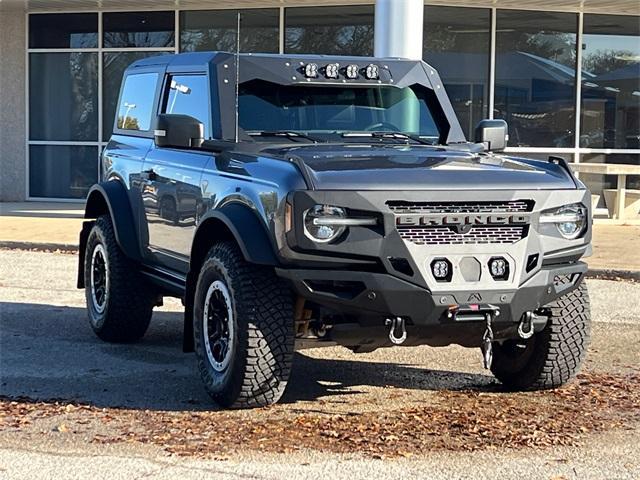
point(477, 235)
point(514, 206)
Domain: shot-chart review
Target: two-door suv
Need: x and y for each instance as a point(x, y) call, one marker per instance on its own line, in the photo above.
point(321, 200)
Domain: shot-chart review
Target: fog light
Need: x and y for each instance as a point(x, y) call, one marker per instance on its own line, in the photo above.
point(331, 70)
point(499, 268)
point(311, 70)
point(352, 72)
point(441, 269)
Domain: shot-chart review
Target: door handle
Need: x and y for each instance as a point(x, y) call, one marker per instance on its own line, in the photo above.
point(148, 175)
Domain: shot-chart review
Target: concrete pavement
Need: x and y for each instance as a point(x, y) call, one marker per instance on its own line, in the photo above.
point(47, 350)
point(56, 226)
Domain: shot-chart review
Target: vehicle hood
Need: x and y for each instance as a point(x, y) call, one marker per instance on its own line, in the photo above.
point(391, 167)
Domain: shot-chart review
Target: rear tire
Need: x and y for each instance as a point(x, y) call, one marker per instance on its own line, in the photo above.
point(169, 210)
point(553, 356)
point(119, 300)
point(243, 328)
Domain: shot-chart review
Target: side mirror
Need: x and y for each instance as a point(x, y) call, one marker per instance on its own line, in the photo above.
point(494, 134)
point(174, 130)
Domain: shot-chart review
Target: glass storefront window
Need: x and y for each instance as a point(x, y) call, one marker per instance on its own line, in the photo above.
point(535, 77)
point(114, 65)
point(457, 42)
point(138, 29)
point(63, 98)
point(610, 82)
point(63, 30)
point(62, 171)
point(217, 30)
point(330, 30)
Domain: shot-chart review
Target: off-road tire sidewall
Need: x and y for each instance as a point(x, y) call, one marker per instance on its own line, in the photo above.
point(96, 319)
point(554, 355)
point(216, 381)
point(262, 307)
point(130, 299)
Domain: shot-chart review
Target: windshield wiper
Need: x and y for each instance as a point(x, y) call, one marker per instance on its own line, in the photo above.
point(395, 135)
point(284, 133)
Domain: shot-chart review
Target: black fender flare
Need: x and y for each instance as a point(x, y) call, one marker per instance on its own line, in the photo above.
point(241, 224)
point(110, 197)
point(246, 228)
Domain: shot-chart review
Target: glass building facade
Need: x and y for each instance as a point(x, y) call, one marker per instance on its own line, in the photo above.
point(567, 83)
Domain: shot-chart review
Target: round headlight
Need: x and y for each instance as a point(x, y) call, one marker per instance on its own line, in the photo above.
point(319, 223)
point(576, 220)
point(570, 220)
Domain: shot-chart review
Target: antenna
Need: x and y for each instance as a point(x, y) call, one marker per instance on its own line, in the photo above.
point(237, 69)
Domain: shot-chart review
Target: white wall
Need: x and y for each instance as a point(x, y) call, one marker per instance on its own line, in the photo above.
point(12, 106)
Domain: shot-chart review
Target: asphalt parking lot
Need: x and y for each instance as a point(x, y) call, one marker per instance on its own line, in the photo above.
point(73, 407)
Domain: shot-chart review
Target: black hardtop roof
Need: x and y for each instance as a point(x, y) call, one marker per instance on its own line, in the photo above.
point(201, 59)
point(286, 70)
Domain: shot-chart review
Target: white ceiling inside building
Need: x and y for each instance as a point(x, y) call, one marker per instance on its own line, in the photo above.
point(589, 6)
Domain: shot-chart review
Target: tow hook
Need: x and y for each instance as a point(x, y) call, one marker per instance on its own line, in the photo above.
point(525, 328)
point(397, 330)
point(487, 342)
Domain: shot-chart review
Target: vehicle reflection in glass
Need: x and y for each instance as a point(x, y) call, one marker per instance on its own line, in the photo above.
point(171, 201)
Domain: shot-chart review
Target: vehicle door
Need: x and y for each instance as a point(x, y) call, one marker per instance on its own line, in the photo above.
point(172, 190)
point(132, 137)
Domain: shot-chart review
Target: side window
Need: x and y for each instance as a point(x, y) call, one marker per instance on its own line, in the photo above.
point(189, 95)
point(136, 102)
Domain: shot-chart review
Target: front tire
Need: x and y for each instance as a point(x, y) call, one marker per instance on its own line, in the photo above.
point(243, 328)
point(119, 301)
point(553, 356)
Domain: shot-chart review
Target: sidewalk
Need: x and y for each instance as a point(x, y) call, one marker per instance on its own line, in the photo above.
point(56, 225)
point(43, 225)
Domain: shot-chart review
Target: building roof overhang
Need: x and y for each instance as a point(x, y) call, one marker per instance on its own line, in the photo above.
point(631, 7)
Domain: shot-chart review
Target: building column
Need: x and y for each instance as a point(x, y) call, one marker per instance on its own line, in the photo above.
point(398, 28)
point(12, 106)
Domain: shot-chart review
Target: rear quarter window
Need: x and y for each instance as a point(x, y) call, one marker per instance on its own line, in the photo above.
point(137, 102)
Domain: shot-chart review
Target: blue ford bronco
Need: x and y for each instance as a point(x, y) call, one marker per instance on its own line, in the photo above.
point(296, 200)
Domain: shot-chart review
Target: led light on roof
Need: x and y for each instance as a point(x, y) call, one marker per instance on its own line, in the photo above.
point(311, 70)
point(352, 72)
point(371, 72)
point(331, 70)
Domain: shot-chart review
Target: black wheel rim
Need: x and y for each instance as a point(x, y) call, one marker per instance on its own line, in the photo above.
point(99, 278)
point(218, 326)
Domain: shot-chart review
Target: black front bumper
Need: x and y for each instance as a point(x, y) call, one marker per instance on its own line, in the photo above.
point(372, 297)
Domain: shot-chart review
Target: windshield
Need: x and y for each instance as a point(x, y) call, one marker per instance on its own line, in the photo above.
point(270, 107)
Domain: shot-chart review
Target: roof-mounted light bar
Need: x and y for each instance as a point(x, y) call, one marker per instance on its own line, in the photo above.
point(332, 71)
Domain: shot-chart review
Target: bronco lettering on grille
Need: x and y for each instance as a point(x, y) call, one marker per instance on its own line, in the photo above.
point(432, 220)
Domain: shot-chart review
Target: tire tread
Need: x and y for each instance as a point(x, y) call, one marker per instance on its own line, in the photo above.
point(558, 351)
point(264, 307)
point(130, 303)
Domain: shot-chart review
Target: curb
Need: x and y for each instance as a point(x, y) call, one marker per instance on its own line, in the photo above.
point(607, 274)
point(595, 273)
point(39, 246)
